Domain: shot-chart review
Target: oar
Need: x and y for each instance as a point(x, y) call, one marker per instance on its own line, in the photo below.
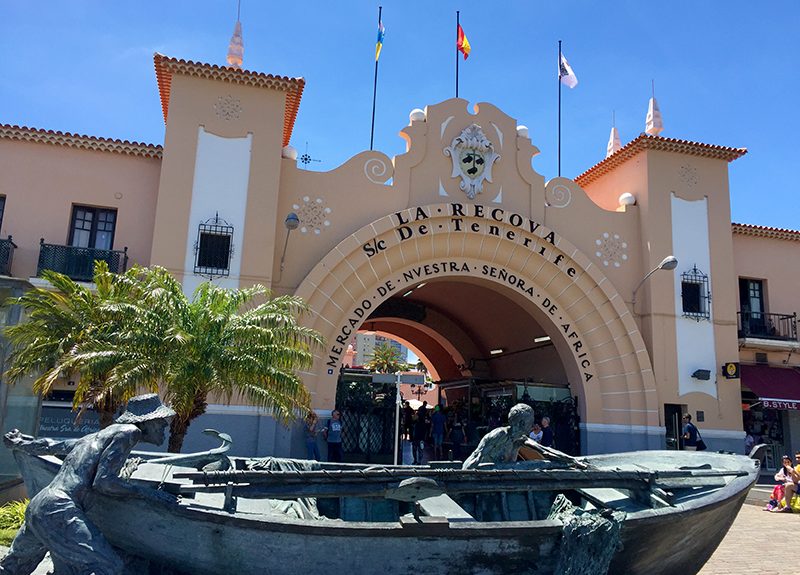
point(191, 459)
point(555, 455)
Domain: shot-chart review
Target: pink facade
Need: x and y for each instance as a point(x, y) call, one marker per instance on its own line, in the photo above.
point(523, 282)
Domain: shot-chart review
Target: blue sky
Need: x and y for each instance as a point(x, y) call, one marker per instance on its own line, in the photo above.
point(726, 73)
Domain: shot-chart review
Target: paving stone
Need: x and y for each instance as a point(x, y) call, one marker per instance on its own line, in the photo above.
point(755, 545)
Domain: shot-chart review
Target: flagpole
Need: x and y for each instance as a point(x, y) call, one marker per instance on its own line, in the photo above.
point(458, 23)
point(374, 89)
point(558, 76)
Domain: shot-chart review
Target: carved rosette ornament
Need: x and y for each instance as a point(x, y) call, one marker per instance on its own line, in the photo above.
point(228, 107)
point(313, 215)
point(473, 156)
point(611, 250)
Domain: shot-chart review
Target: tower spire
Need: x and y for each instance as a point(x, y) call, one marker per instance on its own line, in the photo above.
point(614, 143)
point(654, 125)
point(236, 46)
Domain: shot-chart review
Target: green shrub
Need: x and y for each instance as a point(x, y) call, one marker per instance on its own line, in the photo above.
point(7, 536)
point(13, 514)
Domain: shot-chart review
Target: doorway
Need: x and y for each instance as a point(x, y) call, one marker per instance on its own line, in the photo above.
point(672, 419)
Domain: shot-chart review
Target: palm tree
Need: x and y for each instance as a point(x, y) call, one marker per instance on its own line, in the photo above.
point(221, 343)
point(385, 359)
point(60, 321)
point(138, 329)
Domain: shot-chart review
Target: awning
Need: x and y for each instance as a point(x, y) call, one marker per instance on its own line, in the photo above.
point(777, 387)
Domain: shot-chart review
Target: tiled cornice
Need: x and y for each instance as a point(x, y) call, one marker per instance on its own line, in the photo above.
point(647, 142)
point(166, 67)
point(24, 134)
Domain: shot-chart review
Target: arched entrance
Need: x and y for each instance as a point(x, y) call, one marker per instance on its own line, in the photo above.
point(602, 352)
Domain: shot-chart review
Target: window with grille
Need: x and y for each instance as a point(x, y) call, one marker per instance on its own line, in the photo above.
point(92, 228)
point(214, 248)
point(695, 295)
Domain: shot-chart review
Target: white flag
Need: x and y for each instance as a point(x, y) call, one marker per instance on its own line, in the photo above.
point(565, 73)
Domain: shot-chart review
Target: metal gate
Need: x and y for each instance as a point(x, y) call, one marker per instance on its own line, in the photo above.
point(368, 417)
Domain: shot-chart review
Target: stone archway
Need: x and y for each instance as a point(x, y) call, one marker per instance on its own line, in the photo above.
point(592, 328)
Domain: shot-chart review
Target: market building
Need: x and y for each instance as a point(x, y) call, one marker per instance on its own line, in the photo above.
point(512, 287)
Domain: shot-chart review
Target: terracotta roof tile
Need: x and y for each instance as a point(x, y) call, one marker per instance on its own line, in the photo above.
point(647, 142)
point(36, 135)
point(166, 67)
point(766, 232)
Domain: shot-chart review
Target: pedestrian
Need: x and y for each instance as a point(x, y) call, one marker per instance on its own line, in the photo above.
point(783, 475)
point(692, 441)
point(311, 429)
point(420, 434)
point(547, 433)
point(438, 430)
point(537, 433)
point(457, 439)
point(333, 435)
point(408, 420)
point(791, 479)
point(749, 443)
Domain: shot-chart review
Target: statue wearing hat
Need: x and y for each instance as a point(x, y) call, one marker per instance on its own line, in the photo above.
point(55, 520)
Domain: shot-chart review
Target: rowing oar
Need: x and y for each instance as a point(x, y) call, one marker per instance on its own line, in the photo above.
point(289, 485)
point(555, 455)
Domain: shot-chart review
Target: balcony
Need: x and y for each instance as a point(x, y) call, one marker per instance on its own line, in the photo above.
point(772, 326)
point(78, 263)
point(6, 256)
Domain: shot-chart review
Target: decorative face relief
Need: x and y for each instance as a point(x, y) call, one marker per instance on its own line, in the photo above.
point(473, 156)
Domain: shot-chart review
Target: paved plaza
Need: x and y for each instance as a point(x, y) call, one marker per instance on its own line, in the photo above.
point(756, 544)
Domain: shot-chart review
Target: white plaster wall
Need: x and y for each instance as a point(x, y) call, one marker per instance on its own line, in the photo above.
point(221, 176)
point(695, 339)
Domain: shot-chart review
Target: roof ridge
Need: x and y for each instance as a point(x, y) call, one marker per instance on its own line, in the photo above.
point(81, 141)
point(766, 231)
point(647, 142)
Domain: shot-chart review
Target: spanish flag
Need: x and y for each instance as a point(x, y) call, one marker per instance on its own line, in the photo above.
point(379, 44)
point(462, 43)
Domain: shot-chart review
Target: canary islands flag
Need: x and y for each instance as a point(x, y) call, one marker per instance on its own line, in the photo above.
point(379, 44)
point(462, 43)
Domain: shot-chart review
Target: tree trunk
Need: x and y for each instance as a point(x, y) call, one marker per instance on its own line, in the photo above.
point(105, 415)
point(181, 422)
point(177, 432)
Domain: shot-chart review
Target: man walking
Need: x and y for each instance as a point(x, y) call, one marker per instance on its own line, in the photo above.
point(55, 520)
point(689, 434)
point(438, 431)
point(333, 435)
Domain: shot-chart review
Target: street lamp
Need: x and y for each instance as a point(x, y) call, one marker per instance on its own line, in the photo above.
point(291, 222)
point(421, 389)
point(668, 263)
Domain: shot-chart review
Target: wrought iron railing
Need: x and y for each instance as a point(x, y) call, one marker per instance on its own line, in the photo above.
point(78, 263)
point(6, 256)
point(777, 326)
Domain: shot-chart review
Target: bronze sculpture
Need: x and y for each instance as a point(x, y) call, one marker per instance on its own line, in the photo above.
point(55, 520)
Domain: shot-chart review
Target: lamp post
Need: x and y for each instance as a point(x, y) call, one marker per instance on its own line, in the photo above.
point(421, 389)
point(291, 222)
point(397, 399)
point(668, 263)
